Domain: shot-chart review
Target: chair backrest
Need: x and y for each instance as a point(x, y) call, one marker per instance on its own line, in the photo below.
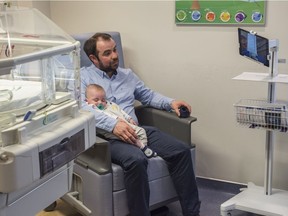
point(84, 60)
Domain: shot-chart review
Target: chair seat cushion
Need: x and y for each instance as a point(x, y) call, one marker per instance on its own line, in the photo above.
point(157, 168)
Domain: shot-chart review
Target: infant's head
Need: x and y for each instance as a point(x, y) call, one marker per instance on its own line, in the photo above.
point(95, 94)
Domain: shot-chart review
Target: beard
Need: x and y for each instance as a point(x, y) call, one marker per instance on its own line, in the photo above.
point(111, 68)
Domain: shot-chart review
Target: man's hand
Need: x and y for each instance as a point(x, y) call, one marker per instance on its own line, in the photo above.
point(177, 103)
point(125, 132)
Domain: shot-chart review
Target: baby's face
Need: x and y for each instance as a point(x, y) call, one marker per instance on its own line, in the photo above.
point(97, 98)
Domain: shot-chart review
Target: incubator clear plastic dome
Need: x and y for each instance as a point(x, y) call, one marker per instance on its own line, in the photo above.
point(38, 64)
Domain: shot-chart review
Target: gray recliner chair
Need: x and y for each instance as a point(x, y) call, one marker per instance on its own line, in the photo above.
point(98, 185)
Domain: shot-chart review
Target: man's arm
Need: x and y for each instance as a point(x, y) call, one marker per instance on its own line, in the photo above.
point(103, 120)
point(149, 97)
point(117, 126)
point(125, 132)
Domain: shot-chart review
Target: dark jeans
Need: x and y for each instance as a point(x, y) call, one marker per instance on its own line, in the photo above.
point(178, 158)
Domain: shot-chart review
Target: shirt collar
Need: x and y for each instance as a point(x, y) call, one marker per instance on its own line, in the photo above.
point(102, 73)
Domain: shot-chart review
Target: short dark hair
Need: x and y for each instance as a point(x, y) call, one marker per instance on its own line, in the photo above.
point(90, 46)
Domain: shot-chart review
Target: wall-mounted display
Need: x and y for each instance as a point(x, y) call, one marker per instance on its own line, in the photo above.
point(251, 12)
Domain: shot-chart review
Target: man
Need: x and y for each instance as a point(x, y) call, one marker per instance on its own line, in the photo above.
point(123, 87)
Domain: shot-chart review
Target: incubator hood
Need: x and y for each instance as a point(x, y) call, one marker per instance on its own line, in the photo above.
point(26, 35)
point(39, 65)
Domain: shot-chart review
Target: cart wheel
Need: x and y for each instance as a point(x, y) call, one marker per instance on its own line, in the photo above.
point(226, 214)
point(51, 207)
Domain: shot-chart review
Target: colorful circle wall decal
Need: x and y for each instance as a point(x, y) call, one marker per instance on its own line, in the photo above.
point(181, 15)
point(196, 15)
point(257, 16)
point(210, 16)
point(240, 17)
point(225, 16)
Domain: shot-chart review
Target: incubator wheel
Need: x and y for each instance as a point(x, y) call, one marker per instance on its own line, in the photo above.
point(51, 207)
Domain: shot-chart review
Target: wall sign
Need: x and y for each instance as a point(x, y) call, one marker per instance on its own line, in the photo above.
point(251, 12)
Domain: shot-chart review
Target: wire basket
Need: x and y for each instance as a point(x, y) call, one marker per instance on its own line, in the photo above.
point(262, 114)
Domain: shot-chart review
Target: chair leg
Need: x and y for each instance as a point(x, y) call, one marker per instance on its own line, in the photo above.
point(51, 207)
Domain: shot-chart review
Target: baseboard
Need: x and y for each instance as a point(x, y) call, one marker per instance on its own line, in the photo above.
point(216, 184)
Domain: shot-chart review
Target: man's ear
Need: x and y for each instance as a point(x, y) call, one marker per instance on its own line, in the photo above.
point(93, 59)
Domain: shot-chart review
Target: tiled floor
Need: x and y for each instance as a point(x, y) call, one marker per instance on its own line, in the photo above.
point(212, 194)
point(62, 209)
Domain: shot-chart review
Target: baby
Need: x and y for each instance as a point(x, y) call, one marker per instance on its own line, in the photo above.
point(96, 97)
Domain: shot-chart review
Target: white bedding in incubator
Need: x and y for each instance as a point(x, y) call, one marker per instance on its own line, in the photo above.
point(20, 96)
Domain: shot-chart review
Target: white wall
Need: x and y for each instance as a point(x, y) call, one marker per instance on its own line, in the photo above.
point(43, 6)
point(197, 64)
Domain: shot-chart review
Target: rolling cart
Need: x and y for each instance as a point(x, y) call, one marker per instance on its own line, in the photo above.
point(272, 117)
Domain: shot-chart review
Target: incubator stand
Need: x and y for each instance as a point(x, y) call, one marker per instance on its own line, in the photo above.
point(42, 128)
point(271, 116)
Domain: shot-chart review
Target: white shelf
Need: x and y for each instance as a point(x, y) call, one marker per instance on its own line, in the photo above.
point(262, 77)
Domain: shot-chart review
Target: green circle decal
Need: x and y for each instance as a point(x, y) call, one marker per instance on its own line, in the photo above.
point(181, 15)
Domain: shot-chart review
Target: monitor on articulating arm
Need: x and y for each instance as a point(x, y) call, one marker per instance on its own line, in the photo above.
point(253, 46)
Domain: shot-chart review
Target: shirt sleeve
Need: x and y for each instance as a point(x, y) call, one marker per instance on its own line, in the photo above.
point(103, 120)
point(149, 97)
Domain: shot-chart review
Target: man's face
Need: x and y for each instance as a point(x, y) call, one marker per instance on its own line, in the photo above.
point(107, 56)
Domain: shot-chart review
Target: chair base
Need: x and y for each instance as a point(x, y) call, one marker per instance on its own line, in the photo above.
point(95, 195)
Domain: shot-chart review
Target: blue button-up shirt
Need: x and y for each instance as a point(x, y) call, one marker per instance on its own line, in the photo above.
point(123, 89)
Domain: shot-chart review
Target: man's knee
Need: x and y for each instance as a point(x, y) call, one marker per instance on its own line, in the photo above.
point(184, 149)
point(137, 163)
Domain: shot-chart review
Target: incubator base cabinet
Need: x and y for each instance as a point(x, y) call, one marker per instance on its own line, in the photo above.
point(42, 128)
point(38, 171)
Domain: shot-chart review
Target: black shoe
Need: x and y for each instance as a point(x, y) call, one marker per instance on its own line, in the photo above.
point(162, 211)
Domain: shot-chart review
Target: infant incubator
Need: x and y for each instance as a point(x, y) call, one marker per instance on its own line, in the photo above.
point(42, 127)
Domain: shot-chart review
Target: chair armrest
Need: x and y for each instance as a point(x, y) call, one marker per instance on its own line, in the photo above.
point(96, 158)
point(166, 121)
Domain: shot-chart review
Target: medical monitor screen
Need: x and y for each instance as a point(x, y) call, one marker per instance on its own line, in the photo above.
point(253, 46)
